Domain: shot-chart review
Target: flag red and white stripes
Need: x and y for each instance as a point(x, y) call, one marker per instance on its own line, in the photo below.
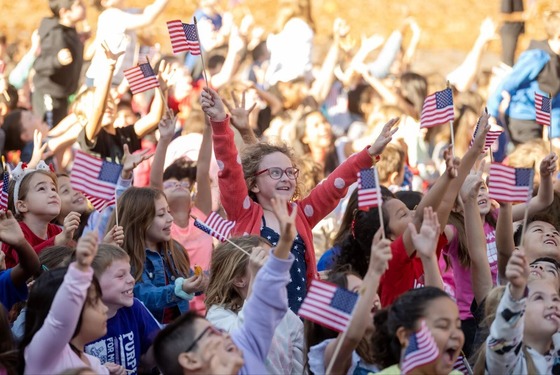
point(95, 178)
point(369, 192)
point(543, 107)
point(184, 37)
point(421, 350)
point(507, 184)
point(437, 109)
point(216, 226)
point(141, 78)
point(5, 189)
point(493, 134)
point(328, 305)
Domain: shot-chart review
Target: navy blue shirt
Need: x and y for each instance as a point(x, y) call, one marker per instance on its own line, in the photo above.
point(130, 334)
point(10, 293)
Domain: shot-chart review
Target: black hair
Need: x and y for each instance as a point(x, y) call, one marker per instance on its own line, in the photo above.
point(360, 95)
point(12, 128)
point(11, 99)
point(173, 340)
point(180, 169)
point(57, 5)
point(410, 198)
point(39, 303)
point(355, 250)
point(215, 61)
point(540, 216)
point(8, 350)
point(404, 312)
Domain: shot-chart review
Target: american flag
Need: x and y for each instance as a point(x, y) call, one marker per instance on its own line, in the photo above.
point(462, 366)
point(141, 78)
point(543, 106)
point(493, 134)
point(369, 193)
point(183, 37)
point(5, 188)
point(507, 184)
point(328, 305)
point(421, 350)
point(95, 178)
point(437, 109)
point(216, 226)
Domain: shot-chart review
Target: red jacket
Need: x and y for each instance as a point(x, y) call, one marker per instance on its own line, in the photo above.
point(37, 243)
point(248, 214)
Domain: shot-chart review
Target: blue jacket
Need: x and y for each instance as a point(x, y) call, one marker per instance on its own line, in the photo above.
point(521, 84)
point(153, 290)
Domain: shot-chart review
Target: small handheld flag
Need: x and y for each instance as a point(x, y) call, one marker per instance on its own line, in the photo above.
point(421, 350)
point(437, 109)
point(95, 178)
point(5, 189)
point(369, 192)
point(216, 226)
point(543, 106)
point(493, 134)
point(184, 37)
point(507, 184)
point(141, 78)
point(328, 305)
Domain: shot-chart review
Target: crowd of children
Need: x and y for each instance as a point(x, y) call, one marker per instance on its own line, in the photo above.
point(271, 145)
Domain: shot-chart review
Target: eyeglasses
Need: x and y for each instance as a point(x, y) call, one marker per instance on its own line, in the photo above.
point(276, 173)
point(211, 329)
point(173, 184)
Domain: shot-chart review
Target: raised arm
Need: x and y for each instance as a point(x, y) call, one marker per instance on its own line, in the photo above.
point(240, 118)
point(166, 129)
point(545, 196)
point(11, 234)
point(102, 86)
point(203, 199)
point(379, 262)
point(425, 243)
point(504, 238)
point(235, 46)
point(146, 18)
point(476, 240)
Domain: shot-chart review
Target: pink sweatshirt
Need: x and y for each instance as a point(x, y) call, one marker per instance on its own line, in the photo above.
point(248, 214)
point(49, 351)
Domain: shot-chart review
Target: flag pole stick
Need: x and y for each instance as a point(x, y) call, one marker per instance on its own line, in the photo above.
point(451, 129)
point(116, 210)
point(228, 240)
point(204, 74)
point(379, 202)
point(336, 351)
point(526, 215)
point(550, 122)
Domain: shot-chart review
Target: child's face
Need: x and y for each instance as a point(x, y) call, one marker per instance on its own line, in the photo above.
point(94, 317)
point(554, 43)
point(160, 228)
point(178, 191)
point(29, 123)
point(266, 187)
point(71, 200)
point(124, 117)
point(42, 198)
point(399, 216)
point(484, 204)
point(542, 311)
point(317, 131)
point(442, 318)
point(77, 11)
point(117, 285)
point(543, 270)
point(541, 239)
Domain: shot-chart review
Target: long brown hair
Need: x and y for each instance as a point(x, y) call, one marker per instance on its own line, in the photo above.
point(136, 212)
point(227, 264)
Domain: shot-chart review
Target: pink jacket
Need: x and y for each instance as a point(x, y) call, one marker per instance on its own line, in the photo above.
point(248, 214)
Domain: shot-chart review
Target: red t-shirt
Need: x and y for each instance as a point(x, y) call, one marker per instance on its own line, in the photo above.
point(37, 243)
point(404, 272)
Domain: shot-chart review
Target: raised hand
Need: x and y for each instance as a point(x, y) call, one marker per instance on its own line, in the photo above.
point(380, 254)
point(194, 284)
point(131, 161)
point(239, 115)
point(212, 104)
point(384, 137)
point(425, 241)
point(258, 258)
point(71, 223)
point(10, 231)
point(483, 129)
point(38, 149)
point(548, 165)
point(86, 250)
point(113, 55)
point(472, 184)
point(165, 74)
point(517, 273)
point(451, 163)
point(166, 128)
point(287, 221)
point(115, 236)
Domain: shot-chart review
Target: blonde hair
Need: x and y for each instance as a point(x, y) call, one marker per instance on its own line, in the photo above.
point(251, 158)
point(227, 264)
point(392, 160)
point(136, 212)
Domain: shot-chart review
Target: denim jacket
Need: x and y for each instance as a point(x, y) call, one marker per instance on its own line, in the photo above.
point(152, 289)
